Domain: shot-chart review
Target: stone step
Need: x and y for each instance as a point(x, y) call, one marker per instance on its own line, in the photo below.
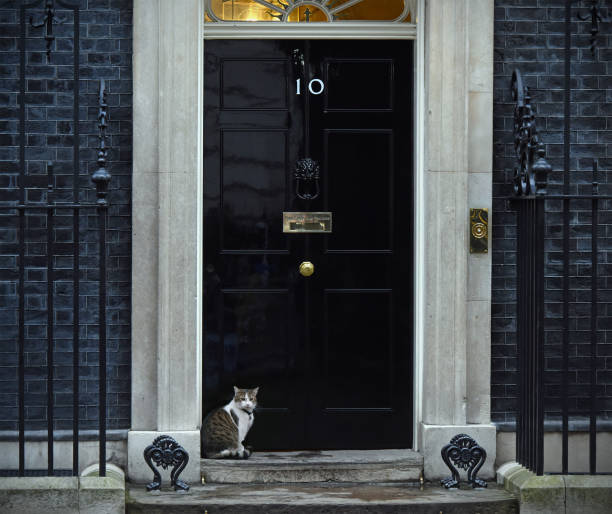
point(321, 499)
point(316, 466)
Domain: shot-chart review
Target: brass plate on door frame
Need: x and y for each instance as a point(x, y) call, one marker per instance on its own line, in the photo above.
point(479, 230)
point(307, 222)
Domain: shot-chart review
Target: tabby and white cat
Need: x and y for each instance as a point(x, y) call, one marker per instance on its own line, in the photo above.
point(226, 428)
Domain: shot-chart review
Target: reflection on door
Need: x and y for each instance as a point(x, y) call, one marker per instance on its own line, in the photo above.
point(331, 350)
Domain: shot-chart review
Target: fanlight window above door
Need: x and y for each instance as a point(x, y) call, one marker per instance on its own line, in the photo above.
point(306, 11)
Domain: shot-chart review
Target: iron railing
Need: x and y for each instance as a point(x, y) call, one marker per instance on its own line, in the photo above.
point(529, 188)
point(542, 400)
point(554, 397)
point(53, 207)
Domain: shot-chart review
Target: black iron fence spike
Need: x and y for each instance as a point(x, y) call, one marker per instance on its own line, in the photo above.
point(102, 177)
point(49, 19)
point(595, 17)
point(531, 173)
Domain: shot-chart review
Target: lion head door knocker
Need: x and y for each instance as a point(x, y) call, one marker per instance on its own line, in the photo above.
point(467, 454)
point(306, 174)
point(166, 452)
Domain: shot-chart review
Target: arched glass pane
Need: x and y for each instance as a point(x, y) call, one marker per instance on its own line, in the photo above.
point(373, 10)
point(245, 10)
point(306, 11)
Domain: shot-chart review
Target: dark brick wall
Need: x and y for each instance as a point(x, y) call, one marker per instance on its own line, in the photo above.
point(105, 53)
point(530, 36)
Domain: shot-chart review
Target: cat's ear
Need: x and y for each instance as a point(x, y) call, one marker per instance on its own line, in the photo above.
point(236, 390)
point(255, 390)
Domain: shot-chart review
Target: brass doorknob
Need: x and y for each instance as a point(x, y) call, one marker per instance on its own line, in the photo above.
point(306, 268)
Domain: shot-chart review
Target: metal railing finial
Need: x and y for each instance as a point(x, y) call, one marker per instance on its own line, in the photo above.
point(532, 169)
point(102, 177)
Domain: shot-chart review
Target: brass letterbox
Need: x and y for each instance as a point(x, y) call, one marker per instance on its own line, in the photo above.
point(307, 222)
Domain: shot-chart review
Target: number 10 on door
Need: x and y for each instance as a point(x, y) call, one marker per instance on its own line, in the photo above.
point(315, 86)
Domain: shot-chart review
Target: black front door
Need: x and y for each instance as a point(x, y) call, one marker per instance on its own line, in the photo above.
point(331, 352)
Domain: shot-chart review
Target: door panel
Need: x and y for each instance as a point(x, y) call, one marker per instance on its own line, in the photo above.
point(349, 347)
point(332, 353)
point(253, 188)
point(359, 166)
point(254, 84)
point(351, 87)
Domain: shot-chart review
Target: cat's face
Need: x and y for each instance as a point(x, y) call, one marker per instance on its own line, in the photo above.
point(246, 399)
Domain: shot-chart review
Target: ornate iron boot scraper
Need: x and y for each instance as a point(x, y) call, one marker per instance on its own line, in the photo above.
point(166, 452)
point(466, 453)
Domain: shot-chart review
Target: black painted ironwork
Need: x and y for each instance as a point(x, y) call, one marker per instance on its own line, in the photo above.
point(166, 452)
point(530, 173)
point(101, 179)
point(593, 335)
point(465, 453)
point(530, 330)
point(531, 196)
point(306, 175)
point(530, 187)
point(596, 18)
point(48, 21)
point(50, 316)
point(50, 207)
point(566, 238)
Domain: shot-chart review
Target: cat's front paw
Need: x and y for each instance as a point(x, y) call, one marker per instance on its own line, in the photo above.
point(246, 453)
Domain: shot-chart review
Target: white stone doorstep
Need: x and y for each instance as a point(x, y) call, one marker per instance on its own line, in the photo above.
point(139, 471)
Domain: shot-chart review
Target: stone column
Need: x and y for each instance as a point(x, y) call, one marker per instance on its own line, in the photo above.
point(458, 166)
point(145, 219)
point(480, 195)
point(166, 361)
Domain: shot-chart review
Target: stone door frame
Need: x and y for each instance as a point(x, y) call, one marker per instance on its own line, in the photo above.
point(453, 163)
